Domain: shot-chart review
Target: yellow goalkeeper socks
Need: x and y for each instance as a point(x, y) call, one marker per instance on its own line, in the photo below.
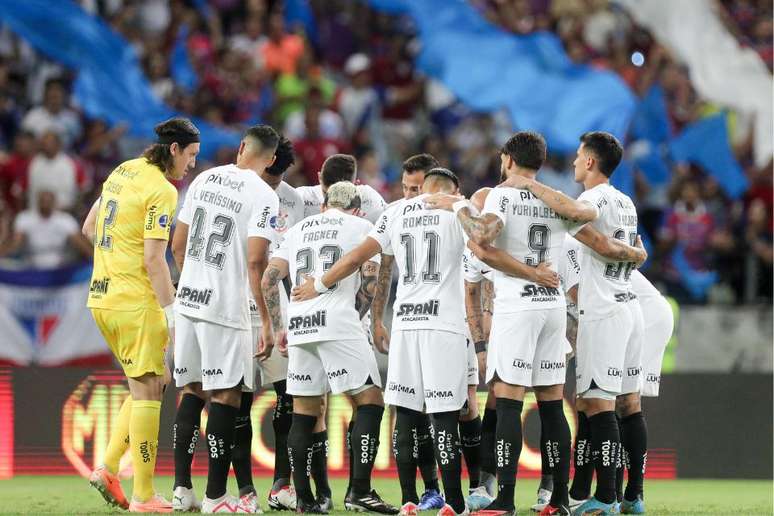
point(143, 442)
point(119, 438)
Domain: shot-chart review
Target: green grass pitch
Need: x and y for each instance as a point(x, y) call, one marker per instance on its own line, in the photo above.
point(72, 495)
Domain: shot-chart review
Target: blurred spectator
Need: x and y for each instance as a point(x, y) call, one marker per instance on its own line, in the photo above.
point(331, 124)
point(158, 75)
point(101, 151)
point(690, 226)
point(293, 88)
point(282, 51)
point(54, 115)
point(369, 170)
point(53, 170)
point(358, 101)
point(46, 236)
point(758, 241)
point(314, 147)
point(14, 170)
point(251, 41)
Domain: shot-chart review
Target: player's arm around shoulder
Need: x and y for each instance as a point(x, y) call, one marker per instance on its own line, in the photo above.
point(579, 210)
point(612, 248)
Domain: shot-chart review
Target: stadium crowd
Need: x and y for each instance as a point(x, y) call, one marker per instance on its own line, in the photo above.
point(351, 86)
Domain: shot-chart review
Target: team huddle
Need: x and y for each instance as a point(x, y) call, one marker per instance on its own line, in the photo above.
point(288, 287)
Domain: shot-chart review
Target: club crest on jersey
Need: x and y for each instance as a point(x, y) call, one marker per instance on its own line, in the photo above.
point(396, 387)
point(279, 222)
point(191, 297)
point(538, 293)
point(309, 323)
point(99, 287)
point(226, 182)
point(411, 310)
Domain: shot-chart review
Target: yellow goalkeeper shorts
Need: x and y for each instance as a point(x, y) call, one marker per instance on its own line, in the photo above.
point(137, 338)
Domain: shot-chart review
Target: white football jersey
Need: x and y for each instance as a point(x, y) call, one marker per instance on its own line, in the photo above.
point(372, 204)
point(291, 210)
point(532, 233)
point(428, 247)
point(311, 247)
point(569, 268)
point(603, 282)
point(224, 206)
point(642, 287)
point(474, 270)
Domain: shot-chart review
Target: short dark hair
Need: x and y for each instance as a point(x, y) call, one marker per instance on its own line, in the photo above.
point(264, 135)
point(444, 173)
point(158, 153)
point(606, 149)
point(527, 149)
point(338, 167)
point(423, 162)
point(284, 157)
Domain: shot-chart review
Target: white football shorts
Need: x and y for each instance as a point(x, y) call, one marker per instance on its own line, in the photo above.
point(427, 369)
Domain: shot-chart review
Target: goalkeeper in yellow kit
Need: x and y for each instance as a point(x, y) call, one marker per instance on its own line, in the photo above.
point(131, 296)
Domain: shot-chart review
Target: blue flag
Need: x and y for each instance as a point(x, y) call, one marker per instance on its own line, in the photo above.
point(531, 76)
point(110, 84)
point(705, 143)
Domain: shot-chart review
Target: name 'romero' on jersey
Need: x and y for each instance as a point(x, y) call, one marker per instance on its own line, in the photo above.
point(311, 247)
point(224, 206)
point(428, 247)
point(532, 233)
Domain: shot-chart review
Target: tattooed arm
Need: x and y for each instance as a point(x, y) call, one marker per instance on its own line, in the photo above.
point(610, 247)
point(481, 229)
point(272, 278)
point(365, 295)
point(487, 300)
point(579, 211)
point(473, 310)
point(383, 285)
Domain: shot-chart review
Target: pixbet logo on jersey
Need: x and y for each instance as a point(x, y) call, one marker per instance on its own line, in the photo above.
point(428, 308)
point(226, 181)
point(316, 320)
point(188, 296)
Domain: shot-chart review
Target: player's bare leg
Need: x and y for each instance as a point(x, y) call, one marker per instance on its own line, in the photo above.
point(185, 436)
point(146, 394)
point(306, 411)
point(365, 444)
point(634, 443)
point(556, 432)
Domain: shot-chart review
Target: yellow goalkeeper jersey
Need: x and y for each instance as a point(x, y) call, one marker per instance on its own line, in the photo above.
point(137, 203)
